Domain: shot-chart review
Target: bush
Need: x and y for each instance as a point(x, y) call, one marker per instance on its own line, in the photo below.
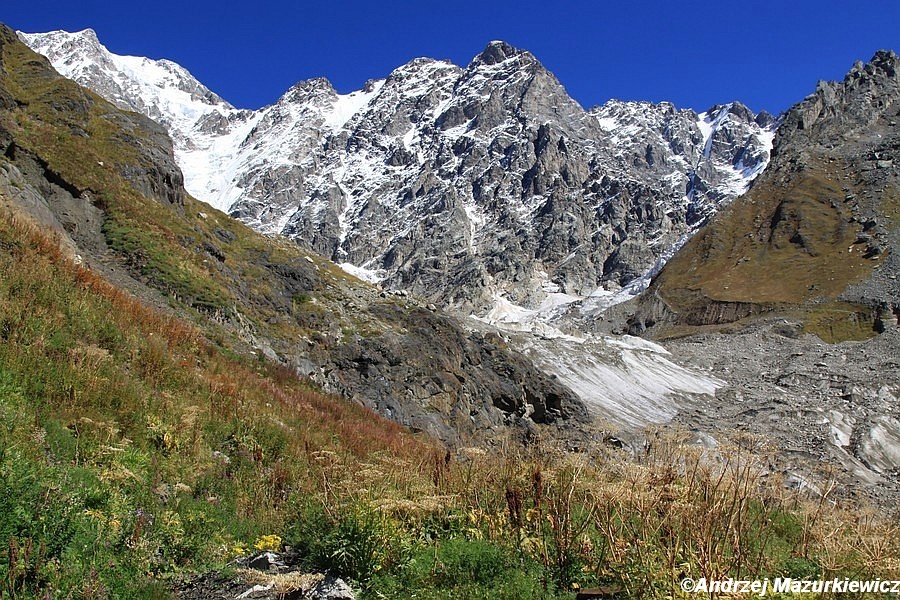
point(357, 544)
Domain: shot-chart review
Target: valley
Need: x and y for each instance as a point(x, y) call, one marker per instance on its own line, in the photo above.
point(452, 318)
point(487, 191)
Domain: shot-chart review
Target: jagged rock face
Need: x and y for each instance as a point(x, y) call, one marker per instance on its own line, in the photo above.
point(839, 111)
point(433, 376)
point(454, 183)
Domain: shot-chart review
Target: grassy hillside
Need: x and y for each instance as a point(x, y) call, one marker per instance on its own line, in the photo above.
point(815, 240)
point(140, 444)
point(132, 450)
point(789, 250)
point(776, 246)
point(116, 161)
point(130, 447)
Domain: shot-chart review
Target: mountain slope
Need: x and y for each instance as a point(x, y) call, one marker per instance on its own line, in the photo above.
point(106, 182)
point(790, 294)
point(818, 233)
point(456, 184)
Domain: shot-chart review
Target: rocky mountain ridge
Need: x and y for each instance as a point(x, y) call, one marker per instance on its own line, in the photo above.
point(823, 216)
point(458, 184)
point(786, 301)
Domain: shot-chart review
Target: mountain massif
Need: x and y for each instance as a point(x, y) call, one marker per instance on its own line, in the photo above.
point(810, 253)
point(488, 190)
point(105, 182)
point(457, 184)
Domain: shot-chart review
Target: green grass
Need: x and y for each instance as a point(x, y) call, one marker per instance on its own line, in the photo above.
point(137, 446)
point(777, 245)
point(840, 321)
point(112, 418)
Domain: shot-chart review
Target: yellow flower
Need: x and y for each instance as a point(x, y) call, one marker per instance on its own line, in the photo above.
point(272, 543)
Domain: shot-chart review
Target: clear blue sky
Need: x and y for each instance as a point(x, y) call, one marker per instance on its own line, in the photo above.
point(768, 54)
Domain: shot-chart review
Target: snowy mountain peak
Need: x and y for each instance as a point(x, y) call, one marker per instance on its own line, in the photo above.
point(61, 42)
point(498, 51)
point(461, 184)
point(501, 63)
point(79, 53)
point(418, 65)
point(309, 90)
point(161, 89)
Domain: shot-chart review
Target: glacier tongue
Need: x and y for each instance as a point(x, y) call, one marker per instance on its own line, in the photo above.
point(620, 380)
point(625, 382)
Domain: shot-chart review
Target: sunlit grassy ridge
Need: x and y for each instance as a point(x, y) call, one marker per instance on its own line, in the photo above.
point(789, 249)
point(797, 245)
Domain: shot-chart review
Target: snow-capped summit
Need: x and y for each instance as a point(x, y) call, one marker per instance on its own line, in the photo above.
point(460, 184)
point(162, 89)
